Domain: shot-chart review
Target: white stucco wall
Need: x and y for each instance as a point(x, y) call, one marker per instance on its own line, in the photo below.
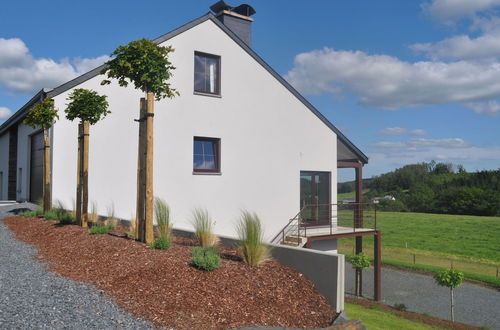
point(24, 133)
point(4, 165)
point(267, 137)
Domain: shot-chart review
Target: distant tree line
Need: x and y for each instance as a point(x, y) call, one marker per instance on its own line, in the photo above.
point(435, 188)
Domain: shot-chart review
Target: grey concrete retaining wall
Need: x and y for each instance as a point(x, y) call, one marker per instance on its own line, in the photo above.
point(324, 269)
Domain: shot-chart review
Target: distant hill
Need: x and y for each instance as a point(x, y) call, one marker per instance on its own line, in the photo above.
point(434, 188)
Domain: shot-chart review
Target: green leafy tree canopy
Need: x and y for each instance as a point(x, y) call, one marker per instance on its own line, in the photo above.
point(86, 105)
point(359, 261)
point(144, 63)
point(42, 115)
point(450, 278)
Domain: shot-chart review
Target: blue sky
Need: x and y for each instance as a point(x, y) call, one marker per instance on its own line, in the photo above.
point(406, 81)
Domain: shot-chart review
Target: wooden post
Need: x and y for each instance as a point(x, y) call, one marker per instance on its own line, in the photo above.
point(377, 265)
point(358, 218)
point(85, 174)
point(149, 169)
point(141, 184)
point(79, 177)
point(47, 201)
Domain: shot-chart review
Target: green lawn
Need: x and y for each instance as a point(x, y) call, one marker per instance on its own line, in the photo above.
point(460, 235)
point(374, 319)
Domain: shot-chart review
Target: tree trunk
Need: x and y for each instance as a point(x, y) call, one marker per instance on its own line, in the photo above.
point(149, 236)
point(358, 282)
point(452, 305)
point(85, 174)
point(47, 200)
point(78, 205)
point(141, 182)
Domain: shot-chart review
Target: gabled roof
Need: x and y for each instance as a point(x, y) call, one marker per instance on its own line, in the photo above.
point(347, 151)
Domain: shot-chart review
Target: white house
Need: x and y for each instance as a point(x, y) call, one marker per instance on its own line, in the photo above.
point(238, 137)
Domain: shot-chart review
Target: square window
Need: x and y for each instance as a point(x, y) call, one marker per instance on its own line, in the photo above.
point(206, 73)
point(206, 154)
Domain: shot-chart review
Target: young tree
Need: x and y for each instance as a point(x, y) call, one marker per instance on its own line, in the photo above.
point(452, 279)
point(43, 115)
point(146, 64)
point(89, 107)
point(359, 262)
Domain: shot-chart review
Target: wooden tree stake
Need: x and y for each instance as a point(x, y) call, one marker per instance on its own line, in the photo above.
point(141, 182)
point(47, 201)
point(79, 177)
point(85, 174)
point(149, 235)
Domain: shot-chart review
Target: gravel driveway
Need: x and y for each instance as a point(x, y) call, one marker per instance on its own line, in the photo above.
point(474, 304)
point(33, 298)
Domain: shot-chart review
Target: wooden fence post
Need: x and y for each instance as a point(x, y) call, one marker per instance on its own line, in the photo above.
point(79, 177)
point(47, 201)
point(141, 184)
point(149, 235)
point(85, 174)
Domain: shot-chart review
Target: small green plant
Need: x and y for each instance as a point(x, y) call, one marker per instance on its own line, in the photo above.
point(34, 213)
point(101, 228)
point(206, 258)
point(203, 228)
point(132, 232)
point(58, 212)
point(162, 243)
point(111, 220)
point(93, 216)
point(359, 262)
point(162, 215)
point(252, 248)
point(400, 307)
point(450, 278)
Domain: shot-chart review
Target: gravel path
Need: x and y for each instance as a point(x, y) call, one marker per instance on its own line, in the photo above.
point(33, 298)
point(474, 304)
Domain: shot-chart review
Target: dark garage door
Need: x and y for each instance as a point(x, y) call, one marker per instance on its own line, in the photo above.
point(36, 170)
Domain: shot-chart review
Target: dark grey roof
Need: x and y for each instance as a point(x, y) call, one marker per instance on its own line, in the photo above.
point(349, 146)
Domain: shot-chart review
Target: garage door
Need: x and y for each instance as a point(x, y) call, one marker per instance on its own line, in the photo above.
point(36, 169)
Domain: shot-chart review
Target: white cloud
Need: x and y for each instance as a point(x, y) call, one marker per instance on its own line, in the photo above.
point(421, 143)
point(20, 72)
point(490, 108)
point(387, 82)
point(5, 113)
point(402, 131)
point(450, 10)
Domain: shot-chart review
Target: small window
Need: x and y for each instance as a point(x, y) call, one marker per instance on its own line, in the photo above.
point(206, 155)
point(206, 73)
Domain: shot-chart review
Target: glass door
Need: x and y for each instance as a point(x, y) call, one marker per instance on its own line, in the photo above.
point(315, 188)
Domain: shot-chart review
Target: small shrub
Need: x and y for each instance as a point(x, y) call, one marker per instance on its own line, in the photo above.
point(66, 219)
point(111, 220)
point(203, 228)
point(162, 243)
point(252, 248)
point(93, 216)
point(101, 229)
point(34, 213)
point(359, 261)
point(162, 215)
point(400, 307)
point(206, 258)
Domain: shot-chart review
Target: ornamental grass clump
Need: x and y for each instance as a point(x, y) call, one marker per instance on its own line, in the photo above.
point(164, 225)
point(203, 228)
point(100, 229)
point(252, 248)
point(58, 212)
point(206, 258)
point(111, 220)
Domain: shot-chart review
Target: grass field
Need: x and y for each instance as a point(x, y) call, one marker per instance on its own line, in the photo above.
point(468, 243)
point(374, 319)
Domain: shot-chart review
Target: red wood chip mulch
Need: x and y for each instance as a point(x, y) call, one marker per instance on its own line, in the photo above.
point(162, 286)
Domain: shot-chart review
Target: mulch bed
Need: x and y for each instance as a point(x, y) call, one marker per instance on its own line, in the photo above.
point(433, 321)
point(162, 286)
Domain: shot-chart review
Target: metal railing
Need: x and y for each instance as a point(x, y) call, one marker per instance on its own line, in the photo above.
point(328, 218)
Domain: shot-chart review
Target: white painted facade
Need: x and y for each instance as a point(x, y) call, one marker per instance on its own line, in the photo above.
point(4, 165)
point(267, 137)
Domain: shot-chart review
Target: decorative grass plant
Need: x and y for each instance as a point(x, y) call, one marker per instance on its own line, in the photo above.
point(111, 220)
point(252, 248)
point(162, 243)
point(203, 228)
point(93, 216)
point(101, 229)
point(162, 214)
point(206, 258)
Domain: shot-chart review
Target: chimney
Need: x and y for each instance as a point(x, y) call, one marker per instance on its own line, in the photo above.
point(237, 19)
